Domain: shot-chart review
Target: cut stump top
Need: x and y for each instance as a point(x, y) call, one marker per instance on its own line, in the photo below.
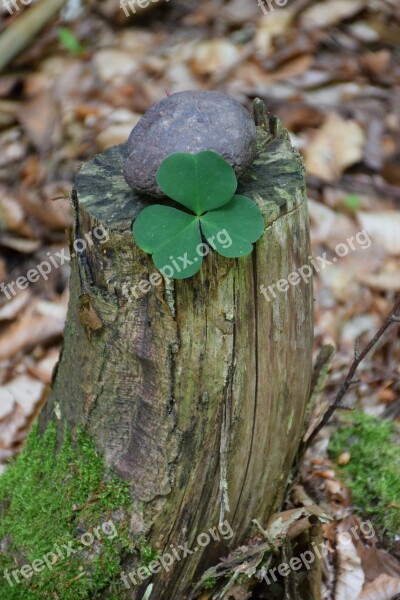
point(275, 182)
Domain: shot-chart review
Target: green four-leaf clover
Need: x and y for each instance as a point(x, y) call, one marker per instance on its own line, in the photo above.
point(205, 184)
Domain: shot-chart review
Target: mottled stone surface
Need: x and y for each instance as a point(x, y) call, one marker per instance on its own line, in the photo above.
point(189, 122)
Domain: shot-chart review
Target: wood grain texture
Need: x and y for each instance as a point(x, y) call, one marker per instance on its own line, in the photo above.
point(196, 391)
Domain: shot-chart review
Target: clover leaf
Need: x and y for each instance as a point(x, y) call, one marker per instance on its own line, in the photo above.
point(201, 182)
point(205, 184)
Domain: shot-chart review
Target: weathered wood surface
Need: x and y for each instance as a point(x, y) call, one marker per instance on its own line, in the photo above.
point(196, 391)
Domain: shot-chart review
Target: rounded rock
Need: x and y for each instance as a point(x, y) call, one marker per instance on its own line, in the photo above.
point(192, 122)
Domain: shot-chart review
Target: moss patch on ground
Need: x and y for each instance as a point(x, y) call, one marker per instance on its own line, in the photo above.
point(210, 583)
point(373, 472)
point(62, 499)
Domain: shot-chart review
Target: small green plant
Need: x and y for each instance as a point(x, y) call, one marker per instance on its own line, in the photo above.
point(70, 41)
point(204, 184)
point(210, 583)
point(373, 472)
point(352, 202)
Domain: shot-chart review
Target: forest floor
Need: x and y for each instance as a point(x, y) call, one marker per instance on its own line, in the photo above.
point(331, 72)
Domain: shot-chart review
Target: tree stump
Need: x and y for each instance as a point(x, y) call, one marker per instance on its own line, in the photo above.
point(195, 390)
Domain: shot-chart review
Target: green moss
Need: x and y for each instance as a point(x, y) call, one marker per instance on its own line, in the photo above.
point(210, 583)
point(51, 498)
point(373, 472)
point(147, 554)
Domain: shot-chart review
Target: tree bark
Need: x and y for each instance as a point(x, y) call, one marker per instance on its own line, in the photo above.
point(195, 391)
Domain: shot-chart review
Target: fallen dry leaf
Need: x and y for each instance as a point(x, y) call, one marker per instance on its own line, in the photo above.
point(292, 68)
point(40, 323)
point(52, 211)
point(387, 396)
point(12, 149)
point(350, 576)
point(357, 326)
point(11, 214)
point(39, 118)
point(114, 134)
point(383, 228)
point(376, 562)
point(364, 32)
point(43, 369)
point(387, 282)
point(25, 391)
point(6, 402)
point(342, 281)
point(236, 11)
point(376, 62)
point(330, 227)
point(323, 14)
point(383, 588)
point(113, 65)
point(20, 244)
point(138, 41)
point(338, 144)
point(344, 458)
point(13, 307)
point(212, 56)
point(269, 27)
point(21, 400)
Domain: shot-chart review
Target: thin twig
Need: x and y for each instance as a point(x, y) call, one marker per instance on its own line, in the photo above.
point(393, 317)
point(23, 30)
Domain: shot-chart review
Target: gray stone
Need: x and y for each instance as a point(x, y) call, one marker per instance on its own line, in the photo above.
point(188, 122)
